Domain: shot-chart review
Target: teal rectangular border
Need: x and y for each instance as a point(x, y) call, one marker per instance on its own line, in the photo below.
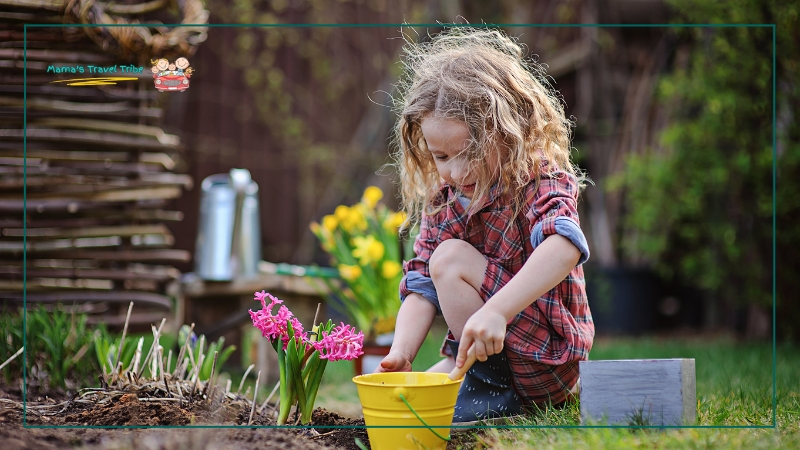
point(772, 26)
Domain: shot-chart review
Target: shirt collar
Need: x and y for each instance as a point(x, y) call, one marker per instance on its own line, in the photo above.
point(453, 194)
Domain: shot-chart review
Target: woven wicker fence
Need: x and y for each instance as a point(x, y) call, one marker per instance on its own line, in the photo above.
point(99, 171)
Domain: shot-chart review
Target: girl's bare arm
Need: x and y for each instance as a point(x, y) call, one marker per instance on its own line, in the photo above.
point(548, 265)
point(414, 320)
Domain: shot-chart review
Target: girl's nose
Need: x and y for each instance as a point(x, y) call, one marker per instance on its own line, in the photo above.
point(457, 171)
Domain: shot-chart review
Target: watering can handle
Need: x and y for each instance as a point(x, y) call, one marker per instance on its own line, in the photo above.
point(239, 179)
point(459, 372)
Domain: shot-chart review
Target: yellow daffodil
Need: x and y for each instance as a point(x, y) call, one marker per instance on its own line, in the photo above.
point(390, 269)
point(356, 219)
point(358, 238)
point(393, 221)
point(371, 196)
point(349, 273)
point(341, 213)
point(367, 249)
point(363, 213)
point(330, 223)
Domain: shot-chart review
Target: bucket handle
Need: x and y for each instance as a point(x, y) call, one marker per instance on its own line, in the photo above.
point(403, 398)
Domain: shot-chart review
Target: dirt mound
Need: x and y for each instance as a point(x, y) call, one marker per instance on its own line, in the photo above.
point(128, 410)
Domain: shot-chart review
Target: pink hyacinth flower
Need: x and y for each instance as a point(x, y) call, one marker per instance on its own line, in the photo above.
point(341, 343)
point(271, 326)
point(260, 296)
point(299, 334)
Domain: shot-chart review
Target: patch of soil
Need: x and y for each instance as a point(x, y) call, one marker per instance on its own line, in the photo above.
point(344, 438)
point(129, 409)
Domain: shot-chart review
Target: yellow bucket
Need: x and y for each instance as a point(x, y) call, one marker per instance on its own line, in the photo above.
point(423, 400)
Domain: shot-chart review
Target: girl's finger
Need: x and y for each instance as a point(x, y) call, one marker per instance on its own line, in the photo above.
point(480, 350)
point(489, 347)
point(458, 372)
point(498, 346)
point(463, 347)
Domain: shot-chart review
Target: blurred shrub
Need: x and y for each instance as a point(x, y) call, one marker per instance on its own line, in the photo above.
point(702, 200)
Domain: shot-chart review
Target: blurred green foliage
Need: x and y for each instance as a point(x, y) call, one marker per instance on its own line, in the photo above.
point(64, 352)
point(702, 200)
point(57, 345)
point(106, 350)
point(208, 359)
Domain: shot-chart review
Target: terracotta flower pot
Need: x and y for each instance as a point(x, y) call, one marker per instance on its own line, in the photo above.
point(373, 355)
point(374, 352)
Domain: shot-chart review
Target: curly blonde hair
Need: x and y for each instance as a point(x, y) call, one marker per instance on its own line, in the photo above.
point(481, 78)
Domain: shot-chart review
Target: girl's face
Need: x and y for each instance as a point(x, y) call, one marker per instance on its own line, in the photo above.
point(447, 141)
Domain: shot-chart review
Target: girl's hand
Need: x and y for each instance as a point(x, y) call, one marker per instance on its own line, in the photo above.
point(486, 330)
point(394, 362)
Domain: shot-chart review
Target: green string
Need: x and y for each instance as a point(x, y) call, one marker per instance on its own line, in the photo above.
point(423, 422)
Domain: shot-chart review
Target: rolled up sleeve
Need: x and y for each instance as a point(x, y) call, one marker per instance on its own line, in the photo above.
point(553, 210)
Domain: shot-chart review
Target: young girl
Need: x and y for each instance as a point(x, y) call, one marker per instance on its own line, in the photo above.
point(484, 159)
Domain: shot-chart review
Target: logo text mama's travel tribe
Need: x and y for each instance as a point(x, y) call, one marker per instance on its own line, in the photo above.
point(129, 69)
point(167, 76)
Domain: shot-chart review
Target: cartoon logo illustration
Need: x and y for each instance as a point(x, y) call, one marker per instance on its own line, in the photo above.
point(171, 76)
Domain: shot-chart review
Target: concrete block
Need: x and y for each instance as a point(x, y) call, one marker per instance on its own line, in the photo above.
point(638, 392)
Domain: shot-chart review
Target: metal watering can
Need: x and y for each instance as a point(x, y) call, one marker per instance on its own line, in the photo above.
point(229, 232)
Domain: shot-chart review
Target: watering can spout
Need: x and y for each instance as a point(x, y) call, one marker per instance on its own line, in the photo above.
point(229, 233)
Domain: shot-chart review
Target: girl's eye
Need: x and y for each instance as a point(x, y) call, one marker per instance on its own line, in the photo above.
point(440, 157)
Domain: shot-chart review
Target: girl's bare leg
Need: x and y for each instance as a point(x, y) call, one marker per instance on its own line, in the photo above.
point(446, 365)
point(458, 270)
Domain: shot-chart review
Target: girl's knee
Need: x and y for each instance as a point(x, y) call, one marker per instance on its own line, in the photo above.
point(451, 257)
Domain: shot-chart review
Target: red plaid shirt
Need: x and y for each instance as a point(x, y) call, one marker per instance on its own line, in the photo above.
point(546, 340)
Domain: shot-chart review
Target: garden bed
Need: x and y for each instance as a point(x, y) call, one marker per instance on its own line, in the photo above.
point(130, 409)
point(115, 409)
point(147, 383)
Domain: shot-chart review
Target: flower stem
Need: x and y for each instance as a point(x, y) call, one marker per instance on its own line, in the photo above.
point(285, 388)
point(307, 355)
point(293, 363)
point(312, 386)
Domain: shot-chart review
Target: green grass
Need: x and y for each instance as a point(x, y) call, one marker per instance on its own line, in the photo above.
point(734, 388)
